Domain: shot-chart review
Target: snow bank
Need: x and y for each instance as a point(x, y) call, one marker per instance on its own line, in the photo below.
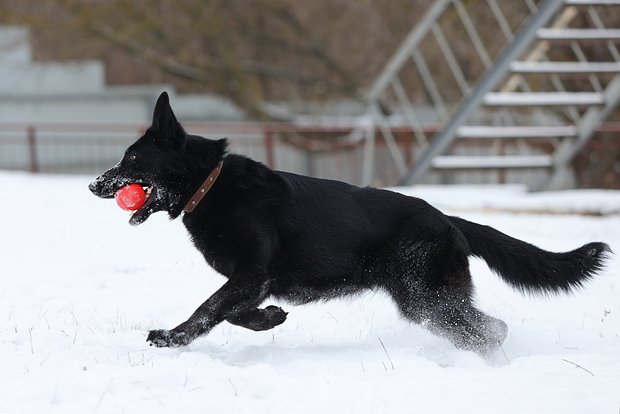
point(516, 199)
point(80, 288)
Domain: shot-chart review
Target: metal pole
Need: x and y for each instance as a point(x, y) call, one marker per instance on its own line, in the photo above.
point(368, 160)
point(268, 135)
point(32, 149)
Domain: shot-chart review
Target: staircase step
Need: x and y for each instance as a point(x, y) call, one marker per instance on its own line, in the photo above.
point(487, 131)
point(565, 67)
point(458, 162)
point(543, 99)
point(593, 2)
point(578, 34)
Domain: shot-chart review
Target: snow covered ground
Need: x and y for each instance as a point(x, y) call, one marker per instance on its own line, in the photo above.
point(80, 288)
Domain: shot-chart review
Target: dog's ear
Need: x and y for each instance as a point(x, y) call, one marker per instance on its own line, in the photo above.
point(165, 124)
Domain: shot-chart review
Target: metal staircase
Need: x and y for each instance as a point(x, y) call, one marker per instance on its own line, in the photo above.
point(526, 102)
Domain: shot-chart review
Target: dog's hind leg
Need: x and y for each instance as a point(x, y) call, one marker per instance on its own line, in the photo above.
point(451, 314)
point(468, 328)
point(434, 288)
point(259, 319)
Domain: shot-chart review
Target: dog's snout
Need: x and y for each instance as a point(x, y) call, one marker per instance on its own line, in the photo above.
point(105, 185)
point(99, 188)
point(93, 187)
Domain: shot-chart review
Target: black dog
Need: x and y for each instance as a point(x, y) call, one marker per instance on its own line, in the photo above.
point(305, 239)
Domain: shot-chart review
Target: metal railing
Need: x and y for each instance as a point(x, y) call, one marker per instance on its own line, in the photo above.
point(86, 148)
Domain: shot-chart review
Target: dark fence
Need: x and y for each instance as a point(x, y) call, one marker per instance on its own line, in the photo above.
point(323, 151)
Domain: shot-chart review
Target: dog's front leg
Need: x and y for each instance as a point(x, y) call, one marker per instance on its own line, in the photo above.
point(236, 296)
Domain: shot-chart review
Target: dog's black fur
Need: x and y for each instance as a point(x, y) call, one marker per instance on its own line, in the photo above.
point(276, 234)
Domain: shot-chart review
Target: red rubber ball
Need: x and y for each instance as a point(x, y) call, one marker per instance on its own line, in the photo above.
point(131, 197)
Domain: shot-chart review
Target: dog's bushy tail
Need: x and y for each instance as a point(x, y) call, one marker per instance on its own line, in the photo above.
point(529, 268)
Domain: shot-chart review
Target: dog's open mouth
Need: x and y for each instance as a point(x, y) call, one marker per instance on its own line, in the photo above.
point(141, 214)
point(148, 190)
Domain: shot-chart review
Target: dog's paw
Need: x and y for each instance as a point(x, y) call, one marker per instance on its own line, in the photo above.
point(171, 339)
point(275, 315)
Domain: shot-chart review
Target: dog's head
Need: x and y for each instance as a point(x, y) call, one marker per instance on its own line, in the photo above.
point(168, 163)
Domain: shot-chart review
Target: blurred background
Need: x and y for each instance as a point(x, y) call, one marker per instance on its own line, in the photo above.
point(372, 92)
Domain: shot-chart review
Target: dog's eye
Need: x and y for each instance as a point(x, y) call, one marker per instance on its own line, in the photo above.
point(132, 157)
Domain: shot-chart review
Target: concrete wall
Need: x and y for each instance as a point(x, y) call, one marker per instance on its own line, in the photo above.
point(66, 92)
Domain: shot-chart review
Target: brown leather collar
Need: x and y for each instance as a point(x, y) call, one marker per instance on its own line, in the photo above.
point(204, 188)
